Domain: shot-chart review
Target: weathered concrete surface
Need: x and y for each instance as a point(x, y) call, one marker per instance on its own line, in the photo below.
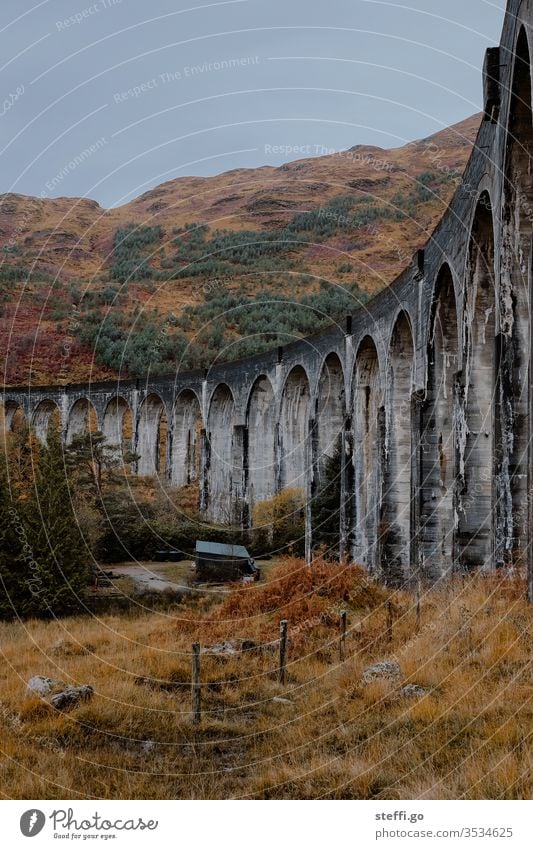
point(428, 385)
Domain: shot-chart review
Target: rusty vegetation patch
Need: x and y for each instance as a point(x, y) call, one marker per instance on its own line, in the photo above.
point(436, 709)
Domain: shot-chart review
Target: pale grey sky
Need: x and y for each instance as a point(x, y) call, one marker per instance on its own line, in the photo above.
point(155, 90)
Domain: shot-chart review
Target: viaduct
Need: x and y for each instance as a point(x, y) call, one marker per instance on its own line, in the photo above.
point(428, 385)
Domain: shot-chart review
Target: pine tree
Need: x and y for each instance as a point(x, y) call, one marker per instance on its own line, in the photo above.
point(14, 593)
point(90, 457)
point(60, 561)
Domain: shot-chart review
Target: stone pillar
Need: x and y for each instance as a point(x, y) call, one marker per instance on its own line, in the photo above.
point(530, 441)
point(347, 493)
point(205, 458)
point(169, 451)
point(239, 476)
point(310, 481)
point(415, 548)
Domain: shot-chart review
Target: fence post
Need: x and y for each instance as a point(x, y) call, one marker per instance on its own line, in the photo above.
point(342, 641)
point(196, 686)
point(282, 650)
point(418, 610)
point(389, 621)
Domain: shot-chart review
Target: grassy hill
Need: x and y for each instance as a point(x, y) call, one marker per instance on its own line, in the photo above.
point(173, 277)
point(331, 732)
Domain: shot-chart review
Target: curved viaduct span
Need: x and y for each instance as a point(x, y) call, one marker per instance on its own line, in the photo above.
point(428, 385)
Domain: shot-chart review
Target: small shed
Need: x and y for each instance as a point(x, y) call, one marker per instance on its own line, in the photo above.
point(218, 562)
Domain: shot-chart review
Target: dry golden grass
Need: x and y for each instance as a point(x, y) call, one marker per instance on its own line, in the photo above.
point(469, 737)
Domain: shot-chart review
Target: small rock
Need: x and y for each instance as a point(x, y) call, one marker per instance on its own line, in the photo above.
point(38, 685)
point(413, 691)
point(148, 745)
point(386, 669)
point(71, 696)
point(226, 647)
point(281, 701)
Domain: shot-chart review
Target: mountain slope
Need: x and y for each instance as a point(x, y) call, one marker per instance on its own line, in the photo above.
point(166, 262)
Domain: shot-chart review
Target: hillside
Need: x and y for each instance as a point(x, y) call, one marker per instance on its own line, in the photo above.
point(86, 291)
point(446, 716)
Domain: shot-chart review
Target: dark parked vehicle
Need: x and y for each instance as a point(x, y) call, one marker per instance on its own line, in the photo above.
point(170, 555)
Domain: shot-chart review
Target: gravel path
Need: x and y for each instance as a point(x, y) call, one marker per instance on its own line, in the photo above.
point(150, 576)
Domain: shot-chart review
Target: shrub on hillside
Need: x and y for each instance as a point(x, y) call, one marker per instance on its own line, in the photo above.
point(302, 593)
point(279, 522)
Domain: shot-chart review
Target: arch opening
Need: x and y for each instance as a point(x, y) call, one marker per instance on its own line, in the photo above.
point(219, 461)
point(397, 518)
point(368, 428)
point(476, 439)
point(438, 434)
point(186, 440)
point(82, 418)
point(261, 471)
point(152, 436)
point(294, 431)
point(14, 417)
point(118, 426)
point(45, 417)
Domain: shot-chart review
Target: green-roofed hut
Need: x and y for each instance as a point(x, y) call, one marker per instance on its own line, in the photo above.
point(218, 562)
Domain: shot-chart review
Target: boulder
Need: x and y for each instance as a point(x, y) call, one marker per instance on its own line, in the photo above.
point(385, 670)
point(225, 648)
point(231, 647)
point(413, 691)
point(71, 696)
point(39, 685)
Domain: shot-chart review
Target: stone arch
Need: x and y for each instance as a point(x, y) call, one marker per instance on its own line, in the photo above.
point(117, 424)
point(397, 517)
point(368, 430)
point(261, 482)
point(81, 418)
point(45, 416)
point(152, 435)
point(514, 339)
point(294, 431)
point(186, 438)
point(14, 416)
point(330, 409)
point(476, 436)
point(438, 433)
point(219, 461)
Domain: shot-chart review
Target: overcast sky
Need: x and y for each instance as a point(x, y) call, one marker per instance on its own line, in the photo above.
point(159, 89)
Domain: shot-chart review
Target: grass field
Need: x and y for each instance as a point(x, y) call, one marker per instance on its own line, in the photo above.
point(325, 734)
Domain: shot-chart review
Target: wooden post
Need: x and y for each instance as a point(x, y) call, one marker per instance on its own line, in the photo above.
point(196, 686)
point(342, 641)
point(418, 610)
point(282, 650)
point(389, 621)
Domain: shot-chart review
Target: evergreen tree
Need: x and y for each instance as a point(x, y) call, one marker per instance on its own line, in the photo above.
point(57, 560)
point(89, 456)
point(12, 590)
point(59, 548)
